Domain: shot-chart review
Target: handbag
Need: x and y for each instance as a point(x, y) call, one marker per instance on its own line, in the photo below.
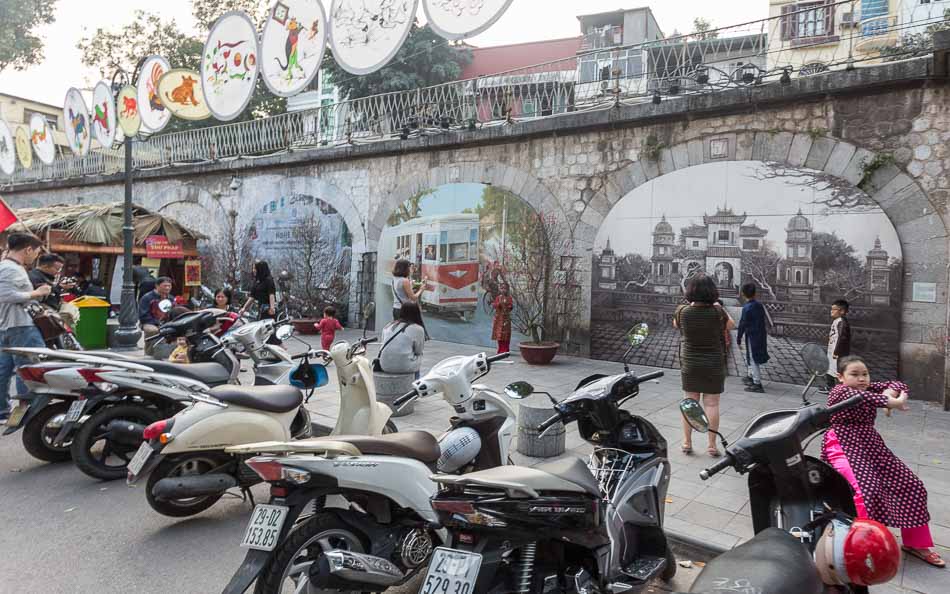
point(48, 322)
point(377, 367)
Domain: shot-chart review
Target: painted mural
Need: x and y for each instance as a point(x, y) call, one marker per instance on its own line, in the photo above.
point(457, 237)
point(802, 242)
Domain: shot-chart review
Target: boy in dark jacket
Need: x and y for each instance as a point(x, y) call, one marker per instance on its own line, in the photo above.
point(752, 327)
point(839, 340)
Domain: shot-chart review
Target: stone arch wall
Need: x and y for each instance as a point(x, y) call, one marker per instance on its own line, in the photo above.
point(921, 230)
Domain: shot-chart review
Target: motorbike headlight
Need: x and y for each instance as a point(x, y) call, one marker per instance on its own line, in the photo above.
point(298, 477)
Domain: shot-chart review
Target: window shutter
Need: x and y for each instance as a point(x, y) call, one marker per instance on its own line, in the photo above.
point(785, 22)
point(829, 17)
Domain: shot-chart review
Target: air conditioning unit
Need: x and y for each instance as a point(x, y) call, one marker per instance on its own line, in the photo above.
point(849, 19)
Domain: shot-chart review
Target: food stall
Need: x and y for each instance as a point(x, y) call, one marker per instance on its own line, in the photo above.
point(89, 238)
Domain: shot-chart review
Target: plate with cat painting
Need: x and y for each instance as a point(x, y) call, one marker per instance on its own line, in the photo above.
point(7, 150)
point(292, 46)
point(78, 135)
point(23, 150)
point(127, 108)
point(41, 137)
point(103, 114)
point(180, 89)
point(150, 105)
point(230, 65)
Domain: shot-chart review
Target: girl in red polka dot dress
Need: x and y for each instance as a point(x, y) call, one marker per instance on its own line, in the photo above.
point(885, 489)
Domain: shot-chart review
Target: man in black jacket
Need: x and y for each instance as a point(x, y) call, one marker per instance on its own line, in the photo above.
point(839, 340)
point(46, 272)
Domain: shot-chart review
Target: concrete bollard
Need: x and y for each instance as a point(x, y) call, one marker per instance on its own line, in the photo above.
point(390, 386)
point(531, 413)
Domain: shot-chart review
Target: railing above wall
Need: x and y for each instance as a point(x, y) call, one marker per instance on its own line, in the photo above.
point(745, 55)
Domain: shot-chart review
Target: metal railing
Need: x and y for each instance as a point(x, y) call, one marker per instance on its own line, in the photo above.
point(743, 55)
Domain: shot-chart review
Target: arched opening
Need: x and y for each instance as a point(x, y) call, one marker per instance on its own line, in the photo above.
point(747, 222)
point(466, 240)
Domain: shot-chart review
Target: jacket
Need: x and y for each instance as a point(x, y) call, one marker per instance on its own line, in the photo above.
point(840, 345)
point(402, 354)
point(55, 297)
point(148, 309)
point(752, 326)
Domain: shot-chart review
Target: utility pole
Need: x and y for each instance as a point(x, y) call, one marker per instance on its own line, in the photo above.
point(128, 334)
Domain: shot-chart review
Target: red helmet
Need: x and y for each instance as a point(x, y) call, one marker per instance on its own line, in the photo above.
point(862, 553)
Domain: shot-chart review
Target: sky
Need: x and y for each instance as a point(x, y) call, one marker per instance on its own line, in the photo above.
point(684, 196)
point(526, 20)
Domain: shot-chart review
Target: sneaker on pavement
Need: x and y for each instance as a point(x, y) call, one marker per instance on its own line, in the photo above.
point(757, 388)
point(748, 381)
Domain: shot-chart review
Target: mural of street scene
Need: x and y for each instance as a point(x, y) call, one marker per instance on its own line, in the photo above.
point(307, 237)
point(456, 236)
point(804, 240)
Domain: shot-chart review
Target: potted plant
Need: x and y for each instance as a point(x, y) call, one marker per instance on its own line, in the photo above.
point(529, 270)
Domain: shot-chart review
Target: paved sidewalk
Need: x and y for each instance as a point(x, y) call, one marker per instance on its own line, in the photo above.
point(714, 511)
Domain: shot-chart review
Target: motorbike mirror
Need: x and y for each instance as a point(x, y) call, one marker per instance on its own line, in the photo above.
point(369, 310)
point(638, 334)
point(695, 415)
point(519, 390)
point(207, 292)
point(165, 305)
point(815, 358)
point(284, 332)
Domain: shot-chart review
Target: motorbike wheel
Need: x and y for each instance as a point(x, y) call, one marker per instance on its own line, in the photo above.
point(184, 465)
point(96, 453)
point(670, 570)
point(38, 434)
point(390, 428)
point(290, 564)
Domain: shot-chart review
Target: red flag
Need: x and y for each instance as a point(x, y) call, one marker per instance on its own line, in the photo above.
point(7, 216)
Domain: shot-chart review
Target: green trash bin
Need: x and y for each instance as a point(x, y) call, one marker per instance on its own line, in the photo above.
point(90, 330)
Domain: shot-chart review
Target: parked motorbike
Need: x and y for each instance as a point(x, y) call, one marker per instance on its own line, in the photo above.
point(799, 495)
point(598, 525)
point(185, 459)
point(375, 528)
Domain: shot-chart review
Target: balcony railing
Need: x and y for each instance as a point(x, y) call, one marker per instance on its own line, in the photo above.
point(710, 62)
point(603, 38)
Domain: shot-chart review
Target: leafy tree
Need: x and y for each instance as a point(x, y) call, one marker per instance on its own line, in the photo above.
point(633, 270)
point(916, 44)
point(19, 46)
point(830, 252)
point(702, 28)
point(424, 59)
point(206, 12)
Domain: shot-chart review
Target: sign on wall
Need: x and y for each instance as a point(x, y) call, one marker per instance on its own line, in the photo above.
point(292, 45)
point(76, 115)
point(229, 65)
point(158, 246)
point(193, 273)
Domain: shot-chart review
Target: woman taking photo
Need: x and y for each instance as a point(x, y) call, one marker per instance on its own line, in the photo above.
point(403, 340)
point(702, 353)
point(402, 286)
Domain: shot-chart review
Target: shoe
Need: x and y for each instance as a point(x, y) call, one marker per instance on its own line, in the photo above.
point(824, 390)
point(757, 388)
point(748, 381)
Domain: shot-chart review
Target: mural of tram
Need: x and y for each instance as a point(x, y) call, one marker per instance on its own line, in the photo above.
point(445, 249)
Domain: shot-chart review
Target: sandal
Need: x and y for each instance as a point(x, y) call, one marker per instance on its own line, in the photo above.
point(713, 452)
point(686, 449)
point(930, 557)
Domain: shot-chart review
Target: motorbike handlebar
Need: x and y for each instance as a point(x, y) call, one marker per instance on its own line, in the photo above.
point(649, 376)
point(497, 357)
point(371, 339)
point(718, 467)
point(398, 402)
point(547, 424)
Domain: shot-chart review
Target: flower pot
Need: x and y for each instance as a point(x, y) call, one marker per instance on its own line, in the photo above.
point(538, 353)
point(304, 326)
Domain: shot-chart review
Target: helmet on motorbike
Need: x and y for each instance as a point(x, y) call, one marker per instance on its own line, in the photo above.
point(863, 553)
point(459, 447)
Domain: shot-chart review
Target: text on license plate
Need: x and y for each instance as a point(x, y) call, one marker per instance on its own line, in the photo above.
point(451, 572)
point(75, 410)
point(264, 528)
point(140, 458)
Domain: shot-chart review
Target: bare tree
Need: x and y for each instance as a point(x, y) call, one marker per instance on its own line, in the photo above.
point(831, 192)
point(228, 254)
point(319, 268)
point(762, 268)
point(849, 282)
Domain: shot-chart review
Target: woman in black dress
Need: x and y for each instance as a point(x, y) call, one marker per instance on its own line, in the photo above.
point(702, 352)
point(264, 292)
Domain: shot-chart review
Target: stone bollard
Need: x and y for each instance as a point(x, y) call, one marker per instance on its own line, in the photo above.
point(531, 413)
point(390, 386)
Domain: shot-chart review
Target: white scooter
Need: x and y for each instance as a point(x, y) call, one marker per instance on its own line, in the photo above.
point(184, 457)
point(376, 527)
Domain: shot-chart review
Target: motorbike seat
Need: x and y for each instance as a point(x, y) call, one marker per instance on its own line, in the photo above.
point(418, 445)
point(211, 374)
point(772, 561)
point(570, 475)
point(278, 399)
point(573, 470)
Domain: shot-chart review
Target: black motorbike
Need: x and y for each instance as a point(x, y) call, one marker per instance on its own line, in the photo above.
point(793, 497)
point(563, 524)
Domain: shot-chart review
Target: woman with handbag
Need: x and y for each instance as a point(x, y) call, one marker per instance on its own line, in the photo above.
point(403, 340)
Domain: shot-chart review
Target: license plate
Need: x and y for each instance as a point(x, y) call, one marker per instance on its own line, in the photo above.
point(139, 459)
point(451, 571)
point(264, 528)
point(17, 415)
point(75, 411)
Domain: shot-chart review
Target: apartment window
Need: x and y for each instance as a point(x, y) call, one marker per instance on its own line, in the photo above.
point(807, 20)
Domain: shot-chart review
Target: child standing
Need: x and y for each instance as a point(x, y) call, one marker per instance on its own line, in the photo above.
point(327, 327)
point(752, 327)
point(839, 341)
point(885, 489)
point(180, 354)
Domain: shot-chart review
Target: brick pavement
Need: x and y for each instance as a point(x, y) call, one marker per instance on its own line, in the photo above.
point(714, 511)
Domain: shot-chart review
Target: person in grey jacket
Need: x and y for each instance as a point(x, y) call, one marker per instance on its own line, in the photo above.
point(16, 325)
point(403, 340)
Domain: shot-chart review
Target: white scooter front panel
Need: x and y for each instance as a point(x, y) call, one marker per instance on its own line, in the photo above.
point(360, 413)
